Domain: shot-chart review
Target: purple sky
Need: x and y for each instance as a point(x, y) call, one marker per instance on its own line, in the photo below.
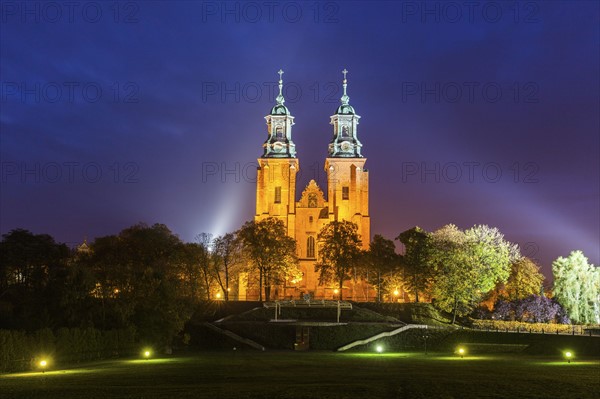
point(483, 114)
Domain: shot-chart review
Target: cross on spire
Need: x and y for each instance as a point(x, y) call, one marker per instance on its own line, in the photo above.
point(345, 99)
point(280, 100)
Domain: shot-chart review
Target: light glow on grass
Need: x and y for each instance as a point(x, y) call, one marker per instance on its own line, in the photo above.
point(147, 353)
point(568, 356)
point(43, 364)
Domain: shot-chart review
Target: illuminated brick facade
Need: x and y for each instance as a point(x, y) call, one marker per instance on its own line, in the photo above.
point(347, 195)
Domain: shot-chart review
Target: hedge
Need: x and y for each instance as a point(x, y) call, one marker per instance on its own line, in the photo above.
point(19, 351)
point(500, 325)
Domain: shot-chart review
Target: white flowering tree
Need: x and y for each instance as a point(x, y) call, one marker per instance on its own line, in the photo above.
point(577, 287)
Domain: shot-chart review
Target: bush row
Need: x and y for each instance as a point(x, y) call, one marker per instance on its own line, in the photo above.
point(500, 325)
point(20, 351)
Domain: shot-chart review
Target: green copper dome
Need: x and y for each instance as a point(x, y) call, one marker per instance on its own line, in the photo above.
point(280, 109)
point(345, 109)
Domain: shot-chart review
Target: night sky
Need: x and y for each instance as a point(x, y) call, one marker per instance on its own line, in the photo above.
point(151, 111)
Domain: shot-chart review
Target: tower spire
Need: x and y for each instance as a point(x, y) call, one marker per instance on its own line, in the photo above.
point(345, 99)
point(280, 100)
point(279, 142)
point(345, 143)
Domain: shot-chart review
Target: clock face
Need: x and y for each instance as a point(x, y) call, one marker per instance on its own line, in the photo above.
point(346, 146)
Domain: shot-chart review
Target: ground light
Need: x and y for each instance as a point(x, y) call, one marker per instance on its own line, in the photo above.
point(43, 364)
point(461, 352)
point(147, 353)
point(379, 348)
point(568, 356)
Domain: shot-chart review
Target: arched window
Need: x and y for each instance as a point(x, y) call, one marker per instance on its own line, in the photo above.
point(279, 133)
point(310, 247)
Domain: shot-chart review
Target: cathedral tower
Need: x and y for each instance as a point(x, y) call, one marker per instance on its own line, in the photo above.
point(347, 178)
point(278, 166)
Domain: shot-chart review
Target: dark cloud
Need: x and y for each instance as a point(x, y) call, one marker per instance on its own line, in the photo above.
point(184, 91)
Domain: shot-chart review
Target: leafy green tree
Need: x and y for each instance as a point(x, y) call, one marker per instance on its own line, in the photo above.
point(525, 279)
point(467, 265)
point(270, 251)
point(577, 287)
point(339, 252)
point(417, 270)
point(381, 261)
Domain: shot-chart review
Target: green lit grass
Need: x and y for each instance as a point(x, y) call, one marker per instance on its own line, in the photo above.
point(245, 374)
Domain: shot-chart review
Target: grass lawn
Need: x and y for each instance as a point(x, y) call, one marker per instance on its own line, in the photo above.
point(246, 374)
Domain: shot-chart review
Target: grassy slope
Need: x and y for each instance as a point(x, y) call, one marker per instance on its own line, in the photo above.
point(313, 375)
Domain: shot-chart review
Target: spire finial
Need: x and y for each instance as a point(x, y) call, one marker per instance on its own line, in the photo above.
point(280, 100)
point(345, 98)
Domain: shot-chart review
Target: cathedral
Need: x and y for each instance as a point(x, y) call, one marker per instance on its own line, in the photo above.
point(347, 194)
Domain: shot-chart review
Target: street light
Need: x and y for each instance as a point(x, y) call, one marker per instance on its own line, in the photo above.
point(379, 348)
point(147, 353)
point(461, 352)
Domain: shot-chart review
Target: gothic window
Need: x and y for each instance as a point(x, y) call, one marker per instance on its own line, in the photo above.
point(310, 247)
point(345, 131)
point(345, 193)
point(312, 200)
point(279, 133)
point(278, 195)
point(310, 219)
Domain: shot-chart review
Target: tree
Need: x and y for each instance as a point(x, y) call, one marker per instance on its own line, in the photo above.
point(226, 255)
point(467, 265)
point(270, 250)
point(417, 270)
point(381, 261)
point(28, 265)
point(204, 240)
point(140, 280)
point(524, 280)
point(532, 309)
point(339, 252)
point(193, 258)
point(577, 287)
